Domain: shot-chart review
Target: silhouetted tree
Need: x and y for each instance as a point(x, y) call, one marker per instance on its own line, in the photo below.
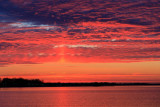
point(20, 82)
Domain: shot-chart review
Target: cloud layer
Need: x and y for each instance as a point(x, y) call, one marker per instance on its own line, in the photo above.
point(39, 31)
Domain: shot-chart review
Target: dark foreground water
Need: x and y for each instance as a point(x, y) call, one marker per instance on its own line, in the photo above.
point(118, 96)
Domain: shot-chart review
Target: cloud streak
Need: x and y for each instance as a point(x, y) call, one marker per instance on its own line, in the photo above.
point(33, 31)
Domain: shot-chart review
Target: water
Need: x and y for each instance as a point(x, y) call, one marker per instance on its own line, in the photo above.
point(118, 96)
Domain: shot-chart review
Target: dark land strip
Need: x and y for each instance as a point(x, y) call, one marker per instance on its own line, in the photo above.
point(20, 82)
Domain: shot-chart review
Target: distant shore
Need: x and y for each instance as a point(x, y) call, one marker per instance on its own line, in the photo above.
point(20, 82)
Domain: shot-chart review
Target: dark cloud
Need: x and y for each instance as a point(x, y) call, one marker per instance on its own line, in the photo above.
point(67, 11)
point(143, 57)
point(39, 31)
point(135, 21)
point(5, 45)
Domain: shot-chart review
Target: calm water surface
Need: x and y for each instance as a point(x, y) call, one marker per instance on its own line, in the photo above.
point(118, 96)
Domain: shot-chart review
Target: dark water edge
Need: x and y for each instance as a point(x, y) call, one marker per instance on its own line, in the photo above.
point(20, 82)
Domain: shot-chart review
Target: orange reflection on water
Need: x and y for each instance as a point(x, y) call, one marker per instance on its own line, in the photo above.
point(61, 97)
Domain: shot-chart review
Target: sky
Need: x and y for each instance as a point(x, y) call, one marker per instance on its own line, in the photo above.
point(80, 40)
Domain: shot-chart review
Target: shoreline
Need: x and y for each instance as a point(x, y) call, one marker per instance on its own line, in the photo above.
point(80, 85)
point(20, 82)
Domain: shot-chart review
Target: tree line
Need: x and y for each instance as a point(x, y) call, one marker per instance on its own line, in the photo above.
point(20, 82)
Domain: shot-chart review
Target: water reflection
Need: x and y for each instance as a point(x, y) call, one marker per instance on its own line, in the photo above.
point(81, 97)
